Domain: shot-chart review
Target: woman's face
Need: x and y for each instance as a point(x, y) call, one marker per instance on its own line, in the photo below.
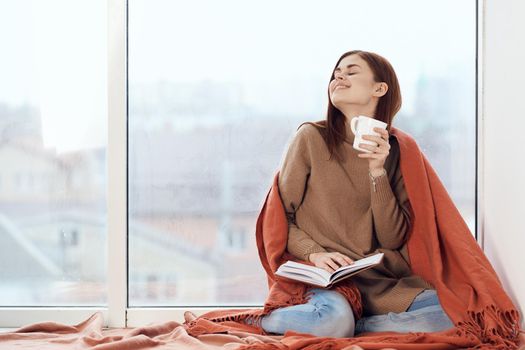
point(353, 86)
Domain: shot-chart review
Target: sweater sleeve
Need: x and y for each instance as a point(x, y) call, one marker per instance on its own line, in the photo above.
point(390, 205)
point(293, 182)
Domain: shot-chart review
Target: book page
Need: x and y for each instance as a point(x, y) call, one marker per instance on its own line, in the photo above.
point(303, 278)
point(358, 265)
point(319, 271)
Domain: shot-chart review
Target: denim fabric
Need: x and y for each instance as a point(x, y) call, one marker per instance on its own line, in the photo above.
point(425, 314)
point(328, 314)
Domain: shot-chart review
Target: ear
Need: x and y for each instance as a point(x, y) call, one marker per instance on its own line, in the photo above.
point(381, 89)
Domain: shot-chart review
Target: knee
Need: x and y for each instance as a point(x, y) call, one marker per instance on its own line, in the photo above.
point(336, 319)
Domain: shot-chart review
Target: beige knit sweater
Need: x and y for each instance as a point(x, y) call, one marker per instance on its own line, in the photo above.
point(332, 206)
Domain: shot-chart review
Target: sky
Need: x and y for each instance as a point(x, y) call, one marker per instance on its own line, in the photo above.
point(55, 51)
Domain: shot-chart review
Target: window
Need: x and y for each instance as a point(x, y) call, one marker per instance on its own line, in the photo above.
point(53, 134)
point(216, 90)
point(217, 95)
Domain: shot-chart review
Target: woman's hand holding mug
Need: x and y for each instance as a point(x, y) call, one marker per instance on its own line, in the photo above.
point(379, 153)
point(330, 260)
point(371, 137)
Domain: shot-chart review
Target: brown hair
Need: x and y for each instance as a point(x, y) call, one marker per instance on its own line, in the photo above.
point(333, 127)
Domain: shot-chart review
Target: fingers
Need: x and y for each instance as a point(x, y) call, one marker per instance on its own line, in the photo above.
point(347, 259)
point(330, 261)
point(375, 138)
point(372, 148)
point(382, 138)
point(382, 132)
point(335, 261)
point(326, 265)
point(343, 260)
point(340, 260)
point(382, 146)
point(379, 140)
point(371, 155)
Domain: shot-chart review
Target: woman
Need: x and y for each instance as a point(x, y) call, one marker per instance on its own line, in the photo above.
point(343, 204)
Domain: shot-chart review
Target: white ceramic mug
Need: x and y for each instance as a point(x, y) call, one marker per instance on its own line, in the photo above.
point(363, 125)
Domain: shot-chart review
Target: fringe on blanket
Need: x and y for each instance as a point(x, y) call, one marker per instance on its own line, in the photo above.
point(496, 329)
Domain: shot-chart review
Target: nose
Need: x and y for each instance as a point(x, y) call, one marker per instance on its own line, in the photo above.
point(339, 76)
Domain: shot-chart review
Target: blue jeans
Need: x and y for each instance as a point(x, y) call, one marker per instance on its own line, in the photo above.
point(425, 314)
point(328, 314)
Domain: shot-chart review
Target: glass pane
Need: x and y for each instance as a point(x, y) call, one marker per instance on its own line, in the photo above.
point(53, 153)
point(217, 90)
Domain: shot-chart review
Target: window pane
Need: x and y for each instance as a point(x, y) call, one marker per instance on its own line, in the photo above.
point(217, 90)
point(53, 153)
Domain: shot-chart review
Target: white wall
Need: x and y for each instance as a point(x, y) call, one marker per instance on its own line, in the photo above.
point(502, 143)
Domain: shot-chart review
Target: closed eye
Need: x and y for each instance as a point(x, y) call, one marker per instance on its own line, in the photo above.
point(349, 74)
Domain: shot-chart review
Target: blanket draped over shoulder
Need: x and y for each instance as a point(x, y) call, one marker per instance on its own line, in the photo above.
point(442, 250)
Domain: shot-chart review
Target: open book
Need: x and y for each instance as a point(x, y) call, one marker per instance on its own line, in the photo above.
point(322, 278)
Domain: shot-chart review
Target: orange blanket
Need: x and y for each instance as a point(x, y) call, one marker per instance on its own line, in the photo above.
point(442, 250)
point(89, 334)
point(171, 335)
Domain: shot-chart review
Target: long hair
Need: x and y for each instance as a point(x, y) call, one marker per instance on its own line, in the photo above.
point(333, 127)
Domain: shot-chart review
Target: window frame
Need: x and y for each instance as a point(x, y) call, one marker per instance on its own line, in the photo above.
point(118, 313)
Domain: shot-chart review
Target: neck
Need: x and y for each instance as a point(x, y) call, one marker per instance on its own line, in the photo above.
point(349, 134)
point(351, 110)
point(350, 116)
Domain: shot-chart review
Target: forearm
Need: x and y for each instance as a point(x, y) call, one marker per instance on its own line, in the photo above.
point(300, 244)
point(391, 220)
